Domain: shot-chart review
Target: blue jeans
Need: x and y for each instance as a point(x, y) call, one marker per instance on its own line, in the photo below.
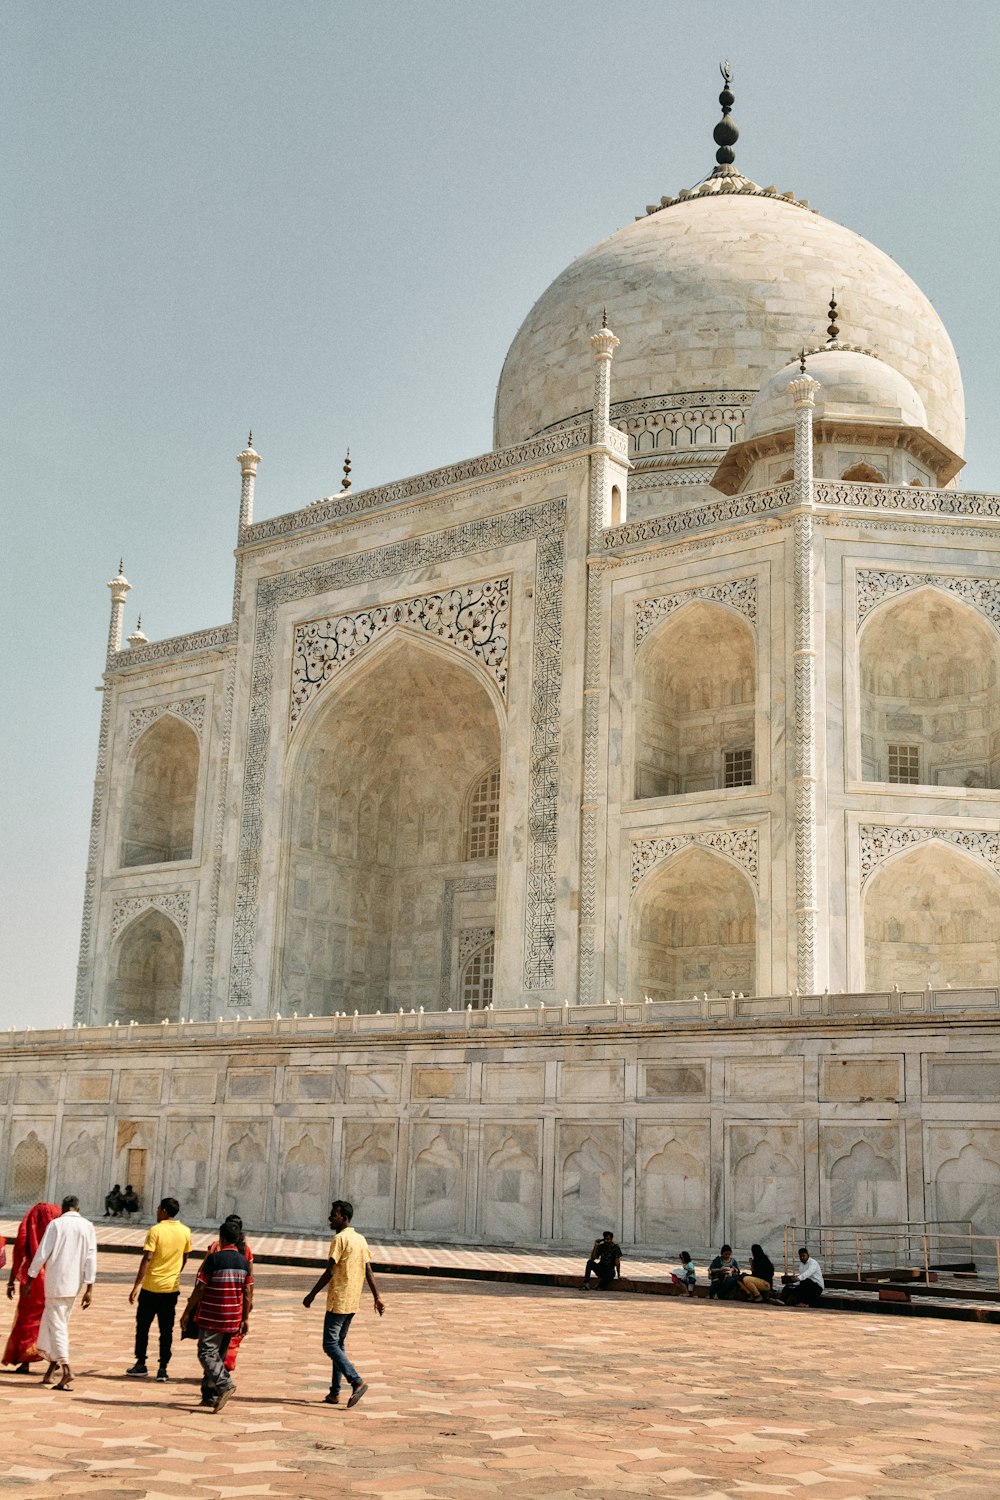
point(335, 1329)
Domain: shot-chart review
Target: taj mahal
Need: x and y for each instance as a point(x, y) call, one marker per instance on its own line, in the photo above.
point(603, 829)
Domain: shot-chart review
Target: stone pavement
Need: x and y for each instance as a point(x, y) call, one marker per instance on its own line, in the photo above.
point(498, 1390)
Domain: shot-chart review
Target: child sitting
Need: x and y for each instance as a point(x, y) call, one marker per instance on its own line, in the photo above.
point(685, 1274)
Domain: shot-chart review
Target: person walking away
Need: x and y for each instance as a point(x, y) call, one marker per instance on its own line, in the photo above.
point(347, 1271)
point(157, 1285)
point(67, 1253)
point(220, 1304)
point(605, 1261)
point(22, 1342)
point(805, 1289)
point(759, 1283)
point(247, 1254)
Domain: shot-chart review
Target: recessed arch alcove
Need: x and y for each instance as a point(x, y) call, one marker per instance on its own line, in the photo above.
point(932, 917)
point(147, 967)
point(930, 705)
point(695, 685)
point(694, 928)
point(376, 865)
point(160, 791)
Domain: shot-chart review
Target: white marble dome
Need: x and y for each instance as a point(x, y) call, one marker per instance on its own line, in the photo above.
point(710, 295)
point(854, 387)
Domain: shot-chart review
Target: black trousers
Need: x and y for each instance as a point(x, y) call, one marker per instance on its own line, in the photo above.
point(803, 1291)
point(162, 1306)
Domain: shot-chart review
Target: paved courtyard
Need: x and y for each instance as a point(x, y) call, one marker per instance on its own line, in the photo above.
point(500, 1390)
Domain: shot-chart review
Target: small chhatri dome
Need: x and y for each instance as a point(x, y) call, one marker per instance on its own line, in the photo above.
point(854, 387)
point(137, 638)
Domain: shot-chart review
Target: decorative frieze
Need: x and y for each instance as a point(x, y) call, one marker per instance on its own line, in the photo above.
point(879, 840)
point(216, 639)
point(875, 585)
point(355, 503)
point(174, 904)
point(472, 939)
point(191, 710)
point(738, 593)
point(739, 844)
point(698, 518)
point(475, 619)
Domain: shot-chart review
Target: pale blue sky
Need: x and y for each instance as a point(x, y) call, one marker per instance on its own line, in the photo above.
point(326, 221)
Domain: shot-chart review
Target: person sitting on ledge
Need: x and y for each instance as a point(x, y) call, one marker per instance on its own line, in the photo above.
point(605, 1261)
point(130, 1199)
point(113, 1202)
point(723, 1274)
point(758, 1284)
point(685, 1274)
point(805, 1289)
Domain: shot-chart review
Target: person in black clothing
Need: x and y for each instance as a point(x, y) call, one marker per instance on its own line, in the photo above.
point(759, 1283)
point(113, 1202)
point(605, 1261)
point(723, 1274)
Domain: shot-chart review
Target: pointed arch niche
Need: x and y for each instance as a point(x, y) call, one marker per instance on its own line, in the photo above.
point(694, 928)
point(147, 967)
point(695, 687)
point(930, 706)
point(932, 917)
point(376, 832)
point(160, 793)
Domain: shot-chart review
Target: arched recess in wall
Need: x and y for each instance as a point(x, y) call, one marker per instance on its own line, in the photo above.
point(375, 865)
point(693, 929)
point(930, 705)
point(477, 978)
point(147, 968)
point(695, 685)
point(29, 1171)
point(932, 917)
point(160, 793)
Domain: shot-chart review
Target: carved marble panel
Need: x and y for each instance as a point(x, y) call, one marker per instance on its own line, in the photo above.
point(28, 1163)
point(862, 1174)
point(374, 1083)
point(740, 844)
point(739, 594)
point(89, 1088)
point(440, 1082)
point(308, 1085)
point(79, 1168)
point(765, 1189)
point(250, 1083)
point(187, 1158)
point(964, 1076)
point(36, 1088)
point(861, 1080)
point(764, 1078)
point(879, 841)
point(304, 1177)
point(368, 1175)
point(513, 1083)
point(437, 1178)
point(592, 1082)
point(246, 1148)
point(191, 710)
point(588, 1180)
point(139, 1086)
point(963, 1164)
point(672, 1183)
point(510, 1193)
point(194, 1085)
point(673, 1080)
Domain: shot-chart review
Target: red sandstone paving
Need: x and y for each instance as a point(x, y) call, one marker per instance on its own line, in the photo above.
point(500, 1391)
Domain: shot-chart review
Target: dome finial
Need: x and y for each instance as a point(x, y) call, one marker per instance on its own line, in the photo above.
point(604, 318)
point(833, 330)
point(347, 471)
point(725, 133)
point(802, 360)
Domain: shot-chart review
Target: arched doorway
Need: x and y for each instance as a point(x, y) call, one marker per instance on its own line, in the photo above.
point(162, 781)
point(694, 929)
point(381, 860)
point(148, 970)
point(932, 916)
point(694, 704)
point(930, 709)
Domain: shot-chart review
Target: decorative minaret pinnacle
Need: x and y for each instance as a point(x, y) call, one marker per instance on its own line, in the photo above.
point(803, 393)
point(346, 485)
point(248, 461)
point(725, 133)
point(137, 638)
point(603, 345)
point(833, 331)
point(119, 587)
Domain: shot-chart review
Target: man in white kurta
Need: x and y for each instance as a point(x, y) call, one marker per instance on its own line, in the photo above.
point(68, 1253)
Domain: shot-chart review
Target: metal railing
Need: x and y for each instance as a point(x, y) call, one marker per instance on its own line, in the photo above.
point(921, 1246)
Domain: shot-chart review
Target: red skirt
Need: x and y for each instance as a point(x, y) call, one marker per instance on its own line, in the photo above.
point(21, 1345)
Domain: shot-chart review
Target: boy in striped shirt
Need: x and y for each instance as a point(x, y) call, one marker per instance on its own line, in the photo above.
point(220, 1303)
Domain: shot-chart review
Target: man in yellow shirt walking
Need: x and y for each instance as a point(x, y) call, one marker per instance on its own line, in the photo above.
point(157, 1284)
point(347, 1270)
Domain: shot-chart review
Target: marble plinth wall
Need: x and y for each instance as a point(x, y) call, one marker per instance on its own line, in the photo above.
point(532, 1131)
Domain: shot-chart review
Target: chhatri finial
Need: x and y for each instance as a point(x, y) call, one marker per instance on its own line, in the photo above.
point(121, 567)
point(832, 331)
point(802, 361)
point(725, 133)
point(250, 438)
point(604, 318)
point(347, 471)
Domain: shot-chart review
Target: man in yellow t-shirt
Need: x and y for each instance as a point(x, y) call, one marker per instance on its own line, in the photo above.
point(347, 1270)
point(157, 1284)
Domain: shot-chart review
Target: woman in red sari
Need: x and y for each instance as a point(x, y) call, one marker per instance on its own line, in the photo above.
point(21, 1347)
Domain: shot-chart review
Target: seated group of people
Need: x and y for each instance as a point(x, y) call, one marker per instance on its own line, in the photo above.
point(756, 1284)
point(726, 1278)
point(117, 1203)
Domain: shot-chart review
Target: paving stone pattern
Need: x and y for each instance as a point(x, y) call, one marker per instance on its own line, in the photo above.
point(497, 1390)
